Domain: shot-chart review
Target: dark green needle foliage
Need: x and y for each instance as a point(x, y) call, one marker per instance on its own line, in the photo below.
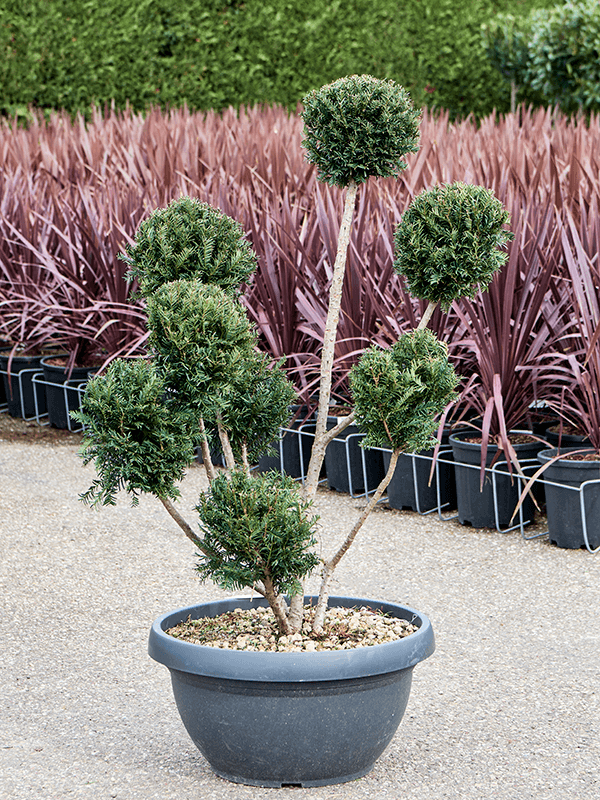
point(257, 405)
point(189, 240)
point(139, 440)
point(358, 127)
point(256, 529)
point(447, 242)
point(398, 392)
point(200, 337)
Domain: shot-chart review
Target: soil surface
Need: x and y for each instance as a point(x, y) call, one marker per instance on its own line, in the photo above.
point(256, 629)
point(15, 429)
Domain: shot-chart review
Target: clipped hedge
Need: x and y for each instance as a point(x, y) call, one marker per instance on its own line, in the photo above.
point(217, 53)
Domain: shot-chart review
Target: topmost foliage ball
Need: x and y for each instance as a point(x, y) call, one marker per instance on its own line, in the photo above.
point(358, 127)
point(190, 240)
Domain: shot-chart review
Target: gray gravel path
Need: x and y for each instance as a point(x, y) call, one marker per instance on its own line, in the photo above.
point(508, 707)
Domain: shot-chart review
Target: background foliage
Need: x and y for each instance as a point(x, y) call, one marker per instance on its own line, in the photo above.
point(216, 53)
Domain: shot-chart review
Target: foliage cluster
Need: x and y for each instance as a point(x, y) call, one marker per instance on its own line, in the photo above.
point(399, 392)
point(216, 53)
point(255, 529)
point(359, 127)
point(201, 346)
point(188, 240)
point(447, 241)
point(138, 436)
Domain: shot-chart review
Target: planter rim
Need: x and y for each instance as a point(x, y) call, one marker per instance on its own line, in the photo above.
point(59, 367)
point(458, 438)
point(549, 453)
point(289, 667)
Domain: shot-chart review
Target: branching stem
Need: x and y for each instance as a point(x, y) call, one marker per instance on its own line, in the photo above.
point(183, 524)
point(330, 565)
point(432, 305)
point(226, 445)
point(206, 457)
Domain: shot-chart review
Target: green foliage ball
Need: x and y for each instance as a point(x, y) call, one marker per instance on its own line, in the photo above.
point(189, 240)
point(200, 337)
point(140, 441)
point(358, 127)
point(398, 392)
point(255, 528)
point(257, 405)
point(447, 242)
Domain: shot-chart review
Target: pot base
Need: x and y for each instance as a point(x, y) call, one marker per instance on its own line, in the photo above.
point(312, 734)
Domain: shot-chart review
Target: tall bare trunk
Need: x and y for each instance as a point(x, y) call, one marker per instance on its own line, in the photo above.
point(427, 314)
point(333, 315)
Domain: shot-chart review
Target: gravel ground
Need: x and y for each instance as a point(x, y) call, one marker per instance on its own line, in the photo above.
point(507, 707)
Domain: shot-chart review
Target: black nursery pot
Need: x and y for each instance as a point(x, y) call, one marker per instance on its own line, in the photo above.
point(409, 487)
point(5, 347)
point(476, 506)
point(563, 505)
point(555, 439)
point(344, 465)
point(62, 399)
point(293, 451)
point(19, 387)
point(291, 719)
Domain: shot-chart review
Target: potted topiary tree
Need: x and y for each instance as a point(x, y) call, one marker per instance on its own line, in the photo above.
point(315, 711)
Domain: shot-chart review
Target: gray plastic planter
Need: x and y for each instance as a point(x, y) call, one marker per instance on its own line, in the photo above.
point(299, 719)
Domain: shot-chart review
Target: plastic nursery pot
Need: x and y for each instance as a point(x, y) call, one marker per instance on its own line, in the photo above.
point(476, 505)
point(5, 347)
point(409, 487)
point(295, 719)
point(344, 462)
point(19, 387)
point(293, 450)
point(555, 438)
point(564, 504)
point(62, 394)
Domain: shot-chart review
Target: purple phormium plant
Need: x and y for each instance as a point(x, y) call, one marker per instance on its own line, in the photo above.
point(70, 189)
point(571, 374)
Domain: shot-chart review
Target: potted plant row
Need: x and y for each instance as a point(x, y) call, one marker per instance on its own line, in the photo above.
point(307, 714)
point(570, 470)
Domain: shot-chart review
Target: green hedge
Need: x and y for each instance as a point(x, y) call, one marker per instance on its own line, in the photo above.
point(214, 53)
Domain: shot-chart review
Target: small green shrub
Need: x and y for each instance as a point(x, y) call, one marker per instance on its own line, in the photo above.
point(189, 240)
point(200, 338)
point(256, 529)
point(139, 438)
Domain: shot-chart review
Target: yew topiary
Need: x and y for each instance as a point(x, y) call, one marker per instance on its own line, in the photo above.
point(205, 377)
